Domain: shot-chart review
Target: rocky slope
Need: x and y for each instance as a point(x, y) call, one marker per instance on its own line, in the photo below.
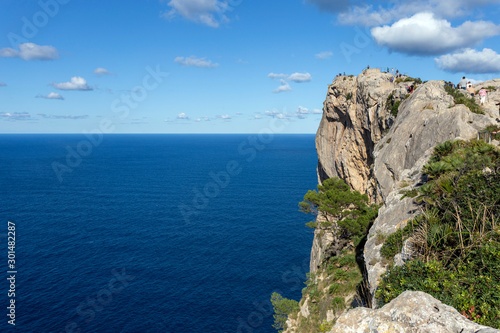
point(380, 153)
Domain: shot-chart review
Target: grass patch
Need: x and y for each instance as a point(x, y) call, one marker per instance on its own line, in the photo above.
point(456, 241)
point(460, 98)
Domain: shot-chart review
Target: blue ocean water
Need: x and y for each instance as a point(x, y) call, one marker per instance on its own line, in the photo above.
point(154, 233)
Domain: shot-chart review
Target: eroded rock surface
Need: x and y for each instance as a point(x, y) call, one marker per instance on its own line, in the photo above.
point(410, 312)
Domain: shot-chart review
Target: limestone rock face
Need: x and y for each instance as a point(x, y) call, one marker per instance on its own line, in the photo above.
point(425, 119)
point(354, 119)
point(393, 215)
point(410, 312)
point(360, 141)
point(322, 240)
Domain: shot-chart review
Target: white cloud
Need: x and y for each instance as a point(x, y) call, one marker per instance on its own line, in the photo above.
point(300, 77)
point(324, 55)
point(182, 116)
point(15, 116)
point(99, 71)
point(283, 87)
point(295, 77)
point(207, 12)
point(206, 118)
point(195, 62)
point(52, 95)
point(226, 117)
point(317, 111)
point(470, 61)
point(423, 34)
point(31, 51)
point(197, 120)
point(302, 110)
point(52, 116)
point(370, 15)
point(277, 76)
point(76, 83)
point(257, 116)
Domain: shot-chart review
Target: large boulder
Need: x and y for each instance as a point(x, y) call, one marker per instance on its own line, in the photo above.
point(410, 312)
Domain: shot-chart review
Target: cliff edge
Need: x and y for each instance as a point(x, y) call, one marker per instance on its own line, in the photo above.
point(377, 137)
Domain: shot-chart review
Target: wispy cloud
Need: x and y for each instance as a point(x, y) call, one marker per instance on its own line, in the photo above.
point(195, 62)
point(15, 116)
point(31, 51)
point(324, 55)
point(99, 71)
point(283, 87)
point(277, 76)
point(76, 83)
point(295, 77)
point(52, 116)
point(182, 116)
point(52, 95)
point(470, 61)
point(207, 12)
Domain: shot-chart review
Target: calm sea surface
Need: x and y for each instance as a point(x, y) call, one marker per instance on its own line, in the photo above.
point(153, 233)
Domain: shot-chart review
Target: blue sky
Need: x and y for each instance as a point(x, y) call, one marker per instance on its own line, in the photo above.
point(220, 66)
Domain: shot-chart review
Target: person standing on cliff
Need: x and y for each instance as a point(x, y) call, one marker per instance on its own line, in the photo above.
point(483, 93)
point(463, 83)
point(471, 90)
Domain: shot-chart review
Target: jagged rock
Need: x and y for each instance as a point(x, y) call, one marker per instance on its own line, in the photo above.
point(321, 242)
point(392, 216)
point(493, 97)
point(354, 119)
point(410, 312)
point(424, 120)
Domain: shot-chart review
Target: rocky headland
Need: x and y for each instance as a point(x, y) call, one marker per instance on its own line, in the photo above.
point(377, 137)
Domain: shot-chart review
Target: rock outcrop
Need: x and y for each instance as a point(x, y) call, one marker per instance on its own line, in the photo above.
point(425, 119)
point(410, 312)
point(381, 153)
point(355, 116)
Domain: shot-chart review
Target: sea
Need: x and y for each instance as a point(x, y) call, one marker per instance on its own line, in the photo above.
point(151, 233)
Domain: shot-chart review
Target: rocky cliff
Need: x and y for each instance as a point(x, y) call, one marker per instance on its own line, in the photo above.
point(376, 137)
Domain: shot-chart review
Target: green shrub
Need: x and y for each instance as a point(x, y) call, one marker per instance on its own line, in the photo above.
point(336, 203)
point(282, 308)
point(394, 242)
point(456, 241)
point(338, 303)
point(460, 98)
point(348, 97)
point(395, 108)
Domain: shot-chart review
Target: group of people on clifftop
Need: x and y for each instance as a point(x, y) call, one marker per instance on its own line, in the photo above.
point(467, 85)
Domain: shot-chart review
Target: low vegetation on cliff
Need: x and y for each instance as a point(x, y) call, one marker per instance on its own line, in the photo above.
point(338, 282)
point(453, 248)
point(340, 208)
